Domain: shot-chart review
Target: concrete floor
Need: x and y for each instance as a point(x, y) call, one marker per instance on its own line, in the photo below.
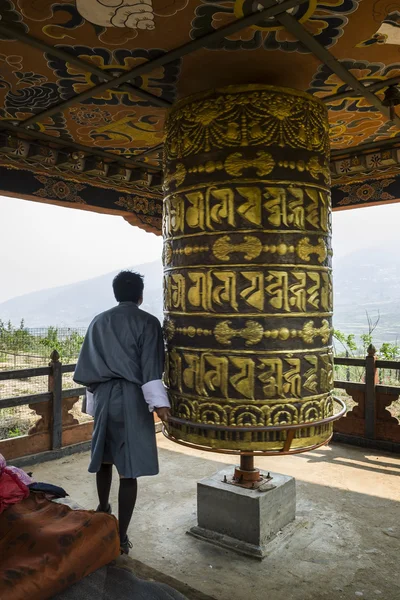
point(346, 543)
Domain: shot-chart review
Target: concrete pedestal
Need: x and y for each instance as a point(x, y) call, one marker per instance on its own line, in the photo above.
point(241, 519)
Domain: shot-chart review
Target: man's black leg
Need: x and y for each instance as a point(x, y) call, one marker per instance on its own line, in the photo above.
point(103, 480)
point(126, 503)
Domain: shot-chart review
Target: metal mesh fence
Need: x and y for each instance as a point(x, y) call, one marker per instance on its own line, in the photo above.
point(16, 421)
point(23, 348)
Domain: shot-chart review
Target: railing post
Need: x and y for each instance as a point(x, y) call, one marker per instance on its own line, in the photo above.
point(55, 387)
point(370, 393)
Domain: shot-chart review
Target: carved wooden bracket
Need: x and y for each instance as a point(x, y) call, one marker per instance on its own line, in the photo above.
point(387, 427)
point(67, 418)
point(43, 410)
point(354, 421)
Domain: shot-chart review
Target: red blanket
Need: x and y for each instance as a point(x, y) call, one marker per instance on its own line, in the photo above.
point(12, 489)
point(45, 547)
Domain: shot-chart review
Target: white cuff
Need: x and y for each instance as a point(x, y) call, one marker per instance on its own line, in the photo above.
point(89, 403)
point(155, 395)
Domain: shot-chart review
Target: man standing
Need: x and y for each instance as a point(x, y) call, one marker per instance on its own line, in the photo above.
point(122, 363)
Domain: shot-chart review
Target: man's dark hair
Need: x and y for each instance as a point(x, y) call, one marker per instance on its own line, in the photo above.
point(128, 286)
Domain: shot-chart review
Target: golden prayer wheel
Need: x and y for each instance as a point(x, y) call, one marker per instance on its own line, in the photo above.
point(247, 271)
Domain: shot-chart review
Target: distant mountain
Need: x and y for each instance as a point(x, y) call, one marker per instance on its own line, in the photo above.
point(76, 304)
point(368, 282)
point(364, 281)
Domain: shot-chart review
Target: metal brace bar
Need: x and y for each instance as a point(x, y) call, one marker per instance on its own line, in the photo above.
point(373, 87)
point(12, 32)
point(273, 9)
point(296, 29)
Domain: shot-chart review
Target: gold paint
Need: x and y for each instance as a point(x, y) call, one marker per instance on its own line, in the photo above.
point(263, 402)
point(305, 249)
point(174, 215)
point(222, 210)
point(236, 164)
point(175, 292)
point(259, 265)
point(195, 217)
point(257, 352)
point(225, 290)
point(253, 295)
point(253, 332)
point(251, 209)
point(243, 231)
point(253, 442)
point(199, 292)
point(249, 314)
point(210, 374)
point(189, 250)
point(292, 206)
point(290, 290)
point(178, 176)
point(312, 166)
point(254, 362)
point(251, 180)
point(238, 116)
point(167, 254)
point(243, 381)
point(252, 247)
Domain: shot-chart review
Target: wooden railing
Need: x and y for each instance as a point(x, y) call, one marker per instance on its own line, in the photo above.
point(367, 423)
point(56, 427)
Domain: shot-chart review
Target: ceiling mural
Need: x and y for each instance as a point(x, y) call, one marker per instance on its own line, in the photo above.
point(118, 13)
point(60, 103)
point(388, 32)
point(354, 121)
point(324, 20)
point(70, 81)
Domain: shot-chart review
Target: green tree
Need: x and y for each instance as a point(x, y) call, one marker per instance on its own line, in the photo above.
point(389, 351)
point(348, 342)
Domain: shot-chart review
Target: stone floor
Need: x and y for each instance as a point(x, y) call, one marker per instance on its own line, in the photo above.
point(346, 543)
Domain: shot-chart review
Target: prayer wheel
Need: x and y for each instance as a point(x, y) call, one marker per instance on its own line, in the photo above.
point(247, 271)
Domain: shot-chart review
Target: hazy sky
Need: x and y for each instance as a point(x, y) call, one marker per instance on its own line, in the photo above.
point(44, 246)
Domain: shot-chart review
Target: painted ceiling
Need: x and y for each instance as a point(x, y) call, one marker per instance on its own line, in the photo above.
point(116, 36)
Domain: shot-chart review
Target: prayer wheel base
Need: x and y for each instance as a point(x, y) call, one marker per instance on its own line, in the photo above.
point(275, 440)
point(244, 520)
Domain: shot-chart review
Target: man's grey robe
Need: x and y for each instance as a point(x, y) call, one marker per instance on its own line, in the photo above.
point(123, 350)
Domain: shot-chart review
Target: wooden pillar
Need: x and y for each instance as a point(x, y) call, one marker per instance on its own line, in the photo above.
point(370, 393)
point(55, 387)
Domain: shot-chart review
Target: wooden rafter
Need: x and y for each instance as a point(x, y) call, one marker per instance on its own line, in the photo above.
point(69, 146)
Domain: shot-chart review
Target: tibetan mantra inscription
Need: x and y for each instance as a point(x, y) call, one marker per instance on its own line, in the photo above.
point(247, 269)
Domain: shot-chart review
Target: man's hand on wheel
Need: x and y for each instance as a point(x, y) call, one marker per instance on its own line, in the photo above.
point(163, 413)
